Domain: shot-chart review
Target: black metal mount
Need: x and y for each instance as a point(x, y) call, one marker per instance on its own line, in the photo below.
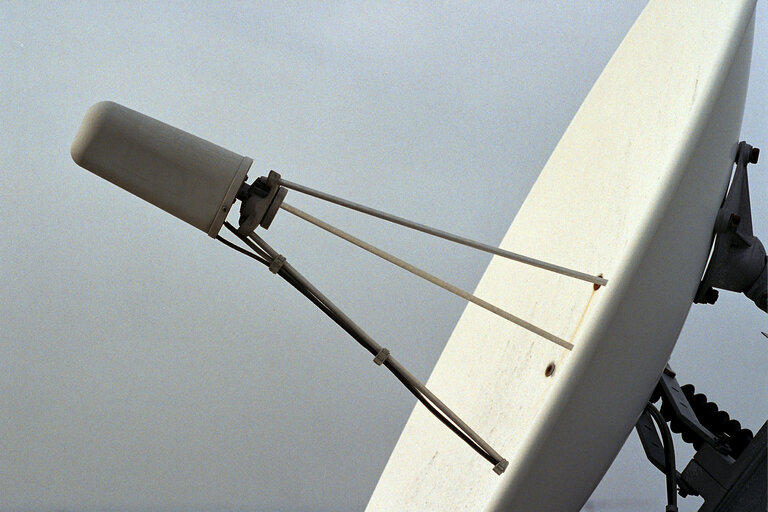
point(259, 202)
point(738, 261)
point(729, 467)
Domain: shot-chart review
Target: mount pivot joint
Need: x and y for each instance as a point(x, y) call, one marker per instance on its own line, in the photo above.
point(728, 469)
point(738, 261)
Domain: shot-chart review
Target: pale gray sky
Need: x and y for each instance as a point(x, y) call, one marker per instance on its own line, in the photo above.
point(145, 366)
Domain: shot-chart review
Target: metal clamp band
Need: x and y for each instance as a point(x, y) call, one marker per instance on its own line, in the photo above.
point(381, 356)
point(277, 264)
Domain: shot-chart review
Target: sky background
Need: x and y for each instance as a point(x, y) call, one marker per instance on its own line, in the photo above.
point(145, 366)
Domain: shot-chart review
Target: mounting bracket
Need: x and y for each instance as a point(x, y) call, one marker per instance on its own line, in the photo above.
point(738, 261)
point(679, 412)
point(259, 202)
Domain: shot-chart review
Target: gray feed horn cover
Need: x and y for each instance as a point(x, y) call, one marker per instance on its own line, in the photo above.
point(188, 177)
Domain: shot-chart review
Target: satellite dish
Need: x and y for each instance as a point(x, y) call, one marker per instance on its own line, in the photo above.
point(633, 188)
point(191, 178)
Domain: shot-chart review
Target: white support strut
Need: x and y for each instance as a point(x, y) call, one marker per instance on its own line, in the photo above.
point(598, 280)
point(427, 276)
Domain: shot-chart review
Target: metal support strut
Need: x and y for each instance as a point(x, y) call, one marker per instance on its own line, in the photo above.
point(261, 251)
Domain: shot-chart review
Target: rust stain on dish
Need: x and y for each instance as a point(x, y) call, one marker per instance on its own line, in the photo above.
point(584, 313)
point(550, 369)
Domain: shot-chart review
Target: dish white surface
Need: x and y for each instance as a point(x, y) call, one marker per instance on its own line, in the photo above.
point(631, 191)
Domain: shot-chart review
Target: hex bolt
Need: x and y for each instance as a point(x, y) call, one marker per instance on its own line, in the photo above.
point(754, 155)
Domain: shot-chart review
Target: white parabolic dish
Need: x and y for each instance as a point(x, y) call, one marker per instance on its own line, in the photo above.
point(631, 191)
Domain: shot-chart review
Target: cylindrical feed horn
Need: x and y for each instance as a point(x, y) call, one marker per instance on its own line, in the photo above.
point(188, 177)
